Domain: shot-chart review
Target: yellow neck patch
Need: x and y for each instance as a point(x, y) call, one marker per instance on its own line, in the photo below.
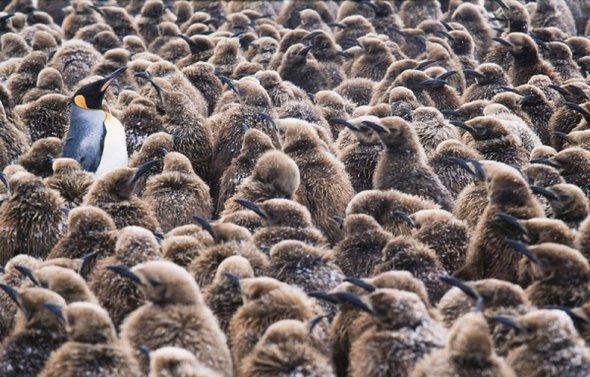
point(80, 101)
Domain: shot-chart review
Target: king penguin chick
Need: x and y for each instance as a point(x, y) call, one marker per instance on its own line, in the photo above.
point(431, 128)
point(84, 14)
point(114, 193)
point(96, 139)
point(92, 348)
point(297, 64)
point(176, 310)
point(61, 280)
point(70, 180)
point(39, 159)
point(254, 145)
point(266, 301)
point(403, 156)
point(177, 194)
point(570, 205)
point(359, 251)
point(402, 333)
point(469, 352)
point(288, 347)
point(177, 362)
point(547, 345)
point(36, 334)
point(223, 295)
point(118, 295)
point(325, 188)
point(31, 219)
point(488, 255)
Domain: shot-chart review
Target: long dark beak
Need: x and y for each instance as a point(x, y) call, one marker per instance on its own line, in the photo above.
point(446, 75)
point(528, 99)
point(573, 315)
point(6, 17)
point(337, 24)
point(513, 222)
point(146, 352)
point(97, 10)
point(559, 89)
point(28, 273)
point(191, 44)
point(304, 51)
point(563, 136)
point(229, 82)
point(546, 161)
point(463, 125)
point(444, 34)
point(508, 322)
point(473, 73)
point(523, 249)
point(107, 81)
point(450, 113)
point(433, 83)
point(125, 272)
point(4, 180)
point(425, 64)
point(544, 192)
point(252, 207)
point(352, 299)
point(87, 262)
point(323, 296)
point(311, 35)
point(205, 224)
point(58, 311)
point(12, 293)
point(397, 31)
point(361, 284)
point(503, 42)
point(269, 119)
point(340, 220)
point(235, 279)
point(405, 218)
point(578, 108)
point(375, 127)
point(344, 122)
point(142, 170)
point(315, 321)
point(456, 282)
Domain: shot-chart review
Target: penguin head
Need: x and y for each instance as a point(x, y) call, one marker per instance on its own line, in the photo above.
point(90, 96)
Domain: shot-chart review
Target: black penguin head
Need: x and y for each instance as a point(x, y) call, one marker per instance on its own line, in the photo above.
point(90, 96)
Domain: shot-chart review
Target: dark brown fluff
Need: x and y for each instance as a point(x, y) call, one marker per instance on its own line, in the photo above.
point(174, 314)
point(39, 159)
point(177, 193)
point(70, 180)
point(118, 295)
point(31, 219)
point(92, 348)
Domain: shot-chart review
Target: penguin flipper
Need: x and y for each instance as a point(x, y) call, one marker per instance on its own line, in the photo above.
point(85, 139)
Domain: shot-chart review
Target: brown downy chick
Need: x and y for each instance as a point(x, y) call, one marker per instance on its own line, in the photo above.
point(402, 327)
point(548, 345)
point(414, 13)
point(119, 20)
point(177, 362)
point(31, 219)
point(182, 249)
point(254, 145)
point(494, 140)
point(469, 352)
point(230, 239)
point(473, 19)
point(174, 308)
point(390, 208)
point(266, 301)
point(84, 14)
point(405, 156)
point(570, 205)
point(70, 180)
point(325, 188)
point(118, 295)
point(526, 59)
point(223, 295)
point(360, 250)
point(431, 128)
point(288, 347)
point(14, 142)
point(407, 254)
point(560, 57)
point(141, 119)
point(297, 65)
point(36, 335)
point(152, 149)
point(284, 219)
point(451, 175)
point(25, 77)
point(275, 175)
point(177, 193)
point(226, 56)
point(542, 269)
point(114, 193)
point(374, 60)
point(67, 283)
point(573, 164)
point(489, 80)
point(92, 347)
point(488, 255)
point(201, 49)
point(39, 158)
point(152, 13)
point(445, 234)
point(48, 81)
point(13, 278)
point(202, 76)
point(46, 117)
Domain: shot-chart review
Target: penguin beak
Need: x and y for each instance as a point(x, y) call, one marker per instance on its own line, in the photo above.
point(352, 299)
point(547, 161)
point(107, 81)
point(523, 249)
point(28, 273)
point(229, 82)
point(269, 119)
point(142, 170)
point(573, 315)
point(528, 99)
point(12, 293)
point(563, 136)
point(473, 73)
point(311, 36)
point(559, 89)
point(513, 222)
point(361, 284)
point(462, 125)
point(503, 42)
point(477, 170)
point(375, 127)
point(455, 282)
point(252, 207)
point(323, 296)
point(405, 218)
point(304, 51)
point(544, 192)
point(205, 224)
point(146, 352)
point(578, 108)
point(315, 321)
point(6, 17)
point(191, 44)
point(343, 122)
point(235, 279)
point(4, 180)
point(125, 272)
point(340, 220)
point(425, 64)
point(87, 261)
point(450, 113)
point(508, 322)
point(432, 83)
point(58, 311)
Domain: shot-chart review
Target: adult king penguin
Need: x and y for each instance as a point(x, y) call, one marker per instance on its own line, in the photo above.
point(96, 139)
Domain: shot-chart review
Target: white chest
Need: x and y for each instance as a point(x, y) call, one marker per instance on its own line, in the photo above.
point(114, 152)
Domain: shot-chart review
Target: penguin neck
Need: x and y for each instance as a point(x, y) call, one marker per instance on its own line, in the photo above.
point(75, 107)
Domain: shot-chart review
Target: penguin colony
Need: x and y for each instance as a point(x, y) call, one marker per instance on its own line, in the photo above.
point(365, 188)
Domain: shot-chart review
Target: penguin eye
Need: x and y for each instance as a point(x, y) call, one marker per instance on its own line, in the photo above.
point(154, 283)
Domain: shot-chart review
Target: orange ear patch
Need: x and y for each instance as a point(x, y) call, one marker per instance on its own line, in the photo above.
point(80, 101)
